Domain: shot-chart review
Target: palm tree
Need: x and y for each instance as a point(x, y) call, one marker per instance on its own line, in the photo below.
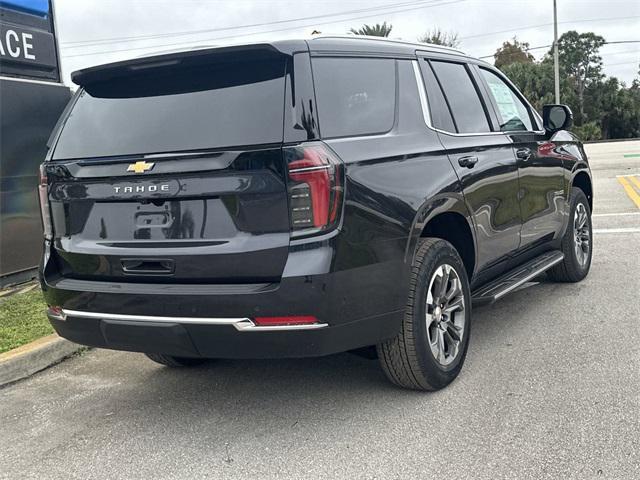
point(376, 30)
point(438, 37)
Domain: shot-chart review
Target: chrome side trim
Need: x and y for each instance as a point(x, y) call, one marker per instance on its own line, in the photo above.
point(422, 93)
point(241, 324)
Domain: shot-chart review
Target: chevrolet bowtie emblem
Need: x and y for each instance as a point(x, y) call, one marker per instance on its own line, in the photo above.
point(140, 167)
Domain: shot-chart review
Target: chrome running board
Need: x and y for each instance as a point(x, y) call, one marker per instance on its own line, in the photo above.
point(507, 283)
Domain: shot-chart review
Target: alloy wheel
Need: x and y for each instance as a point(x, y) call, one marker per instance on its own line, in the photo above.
point(581, 235)
point(445, 314)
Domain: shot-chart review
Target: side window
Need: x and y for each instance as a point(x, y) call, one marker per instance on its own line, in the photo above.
point(440, 114)
point(512, 113)
point(463, 99)
point(356, 96)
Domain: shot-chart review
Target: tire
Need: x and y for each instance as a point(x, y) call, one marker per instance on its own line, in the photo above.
point(412, 359)
point(171, 361)
point(577, 258)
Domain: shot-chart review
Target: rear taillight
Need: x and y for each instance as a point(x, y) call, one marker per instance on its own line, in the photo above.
point(315, 188)
point(55, 311)
point(45, 212)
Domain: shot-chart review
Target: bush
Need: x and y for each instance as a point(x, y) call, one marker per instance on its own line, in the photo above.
point(588, 131)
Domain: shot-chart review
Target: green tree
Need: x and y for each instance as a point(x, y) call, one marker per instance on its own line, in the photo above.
point(512, 52)
point(614, 107)
point(377, 30)
point(579, 59)
point(438, 37)
point(608, 108)
point(535, 81)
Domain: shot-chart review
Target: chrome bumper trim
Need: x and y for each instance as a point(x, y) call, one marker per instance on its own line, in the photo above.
point(241, 324)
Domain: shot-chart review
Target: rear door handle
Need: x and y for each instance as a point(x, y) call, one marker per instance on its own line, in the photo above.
point(467, 162)
point(523, 154)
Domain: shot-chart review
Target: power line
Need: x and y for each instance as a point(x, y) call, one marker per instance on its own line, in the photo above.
point(622, 41)
point(191, 42)
point(524, 49)
point(549, 46)
point(532, 27)
point(624, 52)
point(606, 65)
point(87, 43)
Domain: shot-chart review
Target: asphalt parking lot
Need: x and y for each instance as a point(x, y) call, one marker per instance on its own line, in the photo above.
point(550, 389)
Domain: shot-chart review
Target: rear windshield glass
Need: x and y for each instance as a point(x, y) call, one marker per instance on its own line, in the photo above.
point(220, 105)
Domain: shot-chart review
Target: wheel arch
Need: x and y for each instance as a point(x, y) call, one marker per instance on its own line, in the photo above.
point(582, 180)
point(448, 218)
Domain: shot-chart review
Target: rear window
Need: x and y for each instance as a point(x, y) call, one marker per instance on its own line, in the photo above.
point(462, 96)
point(221, 105)
point(440, 113)
point(356, 96)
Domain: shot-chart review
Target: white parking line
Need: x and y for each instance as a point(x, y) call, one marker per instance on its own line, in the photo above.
point(621, 214)
point(616, 230)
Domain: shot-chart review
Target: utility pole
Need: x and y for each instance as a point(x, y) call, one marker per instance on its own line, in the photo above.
point(556, 62)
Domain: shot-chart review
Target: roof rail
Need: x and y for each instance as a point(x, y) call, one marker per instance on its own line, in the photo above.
point(352, 36)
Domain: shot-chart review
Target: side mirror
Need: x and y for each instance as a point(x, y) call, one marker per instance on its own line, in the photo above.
point(556, 117)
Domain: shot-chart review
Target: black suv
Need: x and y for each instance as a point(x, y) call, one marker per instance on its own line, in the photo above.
point(302, 198)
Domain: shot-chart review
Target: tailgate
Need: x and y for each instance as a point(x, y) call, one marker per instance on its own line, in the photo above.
point(228, 224)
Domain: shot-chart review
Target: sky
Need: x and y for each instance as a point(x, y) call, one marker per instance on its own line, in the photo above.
point(92, 32)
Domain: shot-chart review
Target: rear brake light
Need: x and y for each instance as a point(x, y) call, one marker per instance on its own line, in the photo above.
point(45, 212)
point(315, 188)
point(54, 310)
point(291, 320)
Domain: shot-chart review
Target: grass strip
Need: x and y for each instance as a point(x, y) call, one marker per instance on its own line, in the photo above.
point(22, 319)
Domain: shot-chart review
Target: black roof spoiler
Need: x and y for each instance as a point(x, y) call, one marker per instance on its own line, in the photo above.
point(182, 59)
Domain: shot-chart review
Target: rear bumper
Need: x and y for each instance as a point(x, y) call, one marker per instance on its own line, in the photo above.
point(355, 307)
point(219, 338)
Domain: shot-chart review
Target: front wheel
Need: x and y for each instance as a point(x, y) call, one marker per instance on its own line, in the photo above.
point(577, 243)
point(430, 349)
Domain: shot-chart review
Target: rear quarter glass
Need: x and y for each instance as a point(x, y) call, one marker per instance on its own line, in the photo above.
point(215, 106)
point(356, 96)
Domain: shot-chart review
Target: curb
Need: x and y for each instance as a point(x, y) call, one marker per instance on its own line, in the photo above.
point(28, 359)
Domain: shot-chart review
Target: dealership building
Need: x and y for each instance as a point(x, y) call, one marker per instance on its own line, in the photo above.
point(32, 98)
